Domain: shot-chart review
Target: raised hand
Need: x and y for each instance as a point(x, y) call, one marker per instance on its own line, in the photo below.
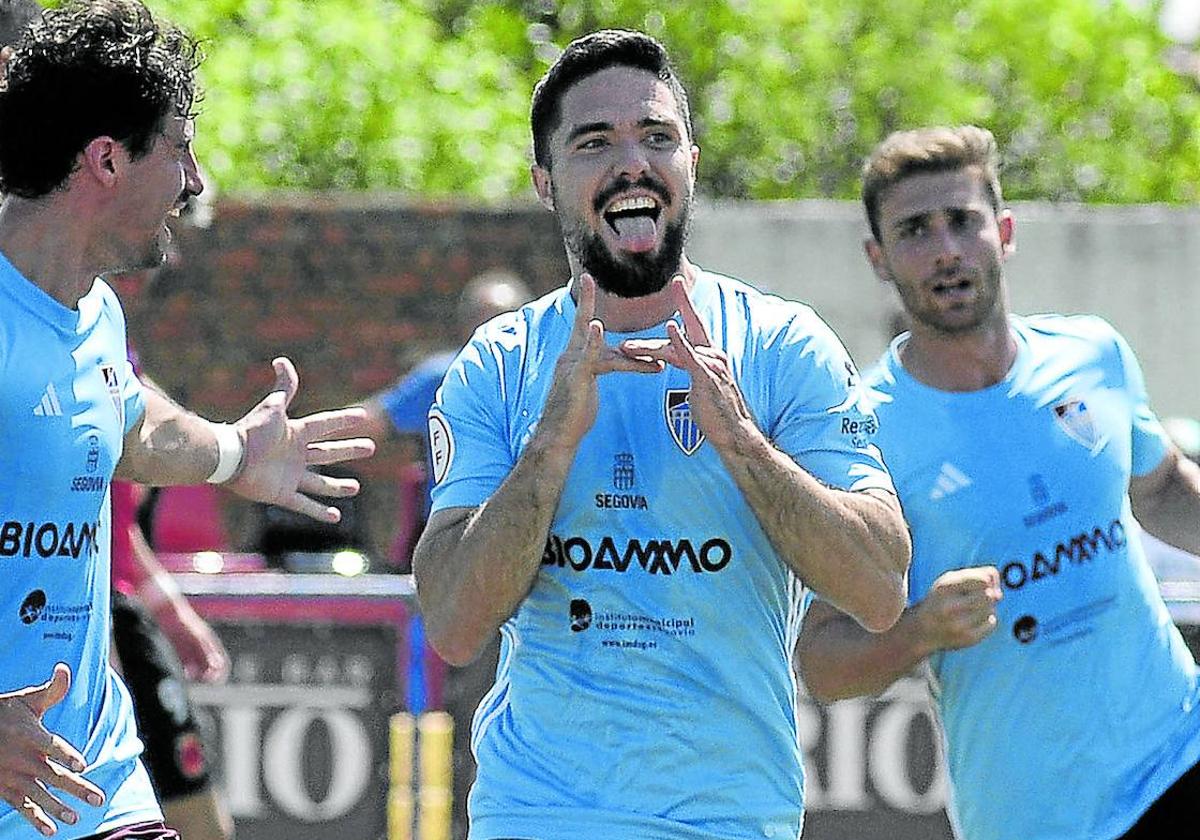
point(716, 400)
point(33, 760)
point(279, 451)
point(960, 609)
point(573, 400)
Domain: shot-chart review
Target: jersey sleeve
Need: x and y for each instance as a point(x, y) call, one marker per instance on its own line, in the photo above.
point(131, 387)
point(1150, 441)
point(824, 422)
point(470, 452)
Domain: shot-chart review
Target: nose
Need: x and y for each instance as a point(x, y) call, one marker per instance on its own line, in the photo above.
point(949, 251)
point(193, 182)
point(631, 159)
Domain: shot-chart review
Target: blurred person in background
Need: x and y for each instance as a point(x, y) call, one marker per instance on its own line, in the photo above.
point(1022, 448)
point(160, 643)
point(95, 153)
point(403, 409)
point(633, 500)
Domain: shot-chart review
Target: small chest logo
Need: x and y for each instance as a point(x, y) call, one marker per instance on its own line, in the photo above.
point(683, 427)
point(623, 474)
point(113, 384)
point(1073, 417)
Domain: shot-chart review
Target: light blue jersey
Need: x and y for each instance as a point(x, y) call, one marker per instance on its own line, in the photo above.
point(69, 397)
point(1070, 719)
point(644, 687)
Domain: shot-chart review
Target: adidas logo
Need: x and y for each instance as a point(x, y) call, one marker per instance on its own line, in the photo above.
point(49, 406)
point(950, 480)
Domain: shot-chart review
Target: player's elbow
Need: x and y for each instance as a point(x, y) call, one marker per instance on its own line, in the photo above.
point(455, 648)
point(882, 610)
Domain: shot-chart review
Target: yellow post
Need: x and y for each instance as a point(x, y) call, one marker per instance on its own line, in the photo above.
point(401, 742)
point(435, 731)
point(436, 757)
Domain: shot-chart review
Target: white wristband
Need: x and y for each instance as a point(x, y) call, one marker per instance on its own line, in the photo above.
point(229, 453)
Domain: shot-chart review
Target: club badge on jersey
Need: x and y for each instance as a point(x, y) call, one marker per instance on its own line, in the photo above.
point(684, 429)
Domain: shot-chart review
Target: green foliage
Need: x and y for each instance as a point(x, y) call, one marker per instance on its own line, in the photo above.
point(431, 96)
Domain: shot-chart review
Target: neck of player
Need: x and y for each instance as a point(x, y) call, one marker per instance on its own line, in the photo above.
point(48, 246)
point(624, 314)
point(966, 361)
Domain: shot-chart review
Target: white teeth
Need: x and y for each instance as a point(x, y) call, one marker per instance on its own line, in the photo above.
point(639, 203)
point(175, 213)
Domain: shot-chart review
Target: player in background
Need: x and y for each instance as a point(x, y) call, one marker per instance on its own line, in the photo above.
point(1022, 448)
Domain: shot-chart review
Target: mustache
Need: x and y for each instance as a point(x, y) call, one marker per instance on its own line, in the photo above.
point(623, 184)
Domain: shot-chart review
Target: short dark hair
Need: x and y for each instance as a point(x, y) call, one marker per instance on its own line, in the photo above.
point(87, 70)
point(586, 56)
point(937, 149)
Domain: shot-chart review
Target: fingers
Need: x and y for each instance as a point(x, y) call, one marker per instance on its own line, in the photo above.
point(682, 348)
point(286, 379)
point(314, 510)
point(30, 811)
point(337, 451)
point(326, 424)
point(585, 306)
point(315, 484)
point(51, 692)
point(70, 782)
point(693, 327)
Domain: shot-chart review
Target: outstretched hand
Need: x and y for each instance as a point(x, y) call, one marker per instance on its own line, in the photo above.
point(32, 759)
point(716, 400)
point(279, 451)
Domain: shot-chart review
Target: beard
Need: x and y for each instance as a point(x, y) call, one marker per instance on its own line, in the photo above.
point(981, 311)
point(629, 275)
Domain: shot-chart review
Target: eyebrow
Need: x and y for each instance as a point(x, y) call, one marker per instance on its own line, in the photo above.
point(588, 128)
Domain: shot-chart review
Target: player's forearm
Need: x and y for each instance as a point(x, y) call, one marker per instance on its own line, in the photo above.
point(851, 547)
point(170, 445)
point(471, 579)
point(1172, 512)
point(839, 659)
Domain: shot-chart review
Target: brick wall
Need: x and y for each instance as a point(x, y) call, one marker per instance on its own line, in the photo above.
point(354, 289)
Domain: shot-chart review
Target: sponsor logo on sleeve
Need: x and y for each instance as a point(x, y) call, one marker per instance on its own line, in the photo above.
point(113, 383)
point(441, 445)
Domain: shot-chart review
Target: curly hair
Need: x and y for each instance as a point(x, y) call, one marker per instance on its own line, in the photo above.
point(587, 56)
point(89, 69)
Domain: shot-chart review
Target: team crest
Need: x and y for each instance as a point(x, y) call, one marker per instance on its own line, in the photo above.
point(1074, 418)
point(683, 427)
point(113, 384)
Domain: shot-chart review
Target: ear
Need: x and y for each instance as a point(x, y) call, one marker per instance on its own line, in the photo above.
point(543, 186)
point(695, 150)
point(875, 256)
point(1008, 225)
point(104, 159)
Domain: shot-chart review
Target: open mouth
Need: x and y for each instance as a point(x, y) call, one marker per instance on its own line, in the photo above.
point(634, 220)
point(952, 286)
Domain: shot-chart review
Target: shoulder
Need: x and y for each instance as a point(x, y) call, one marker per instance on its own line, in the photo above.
point(1075, 339)
point(773, 321)
point(532, 322)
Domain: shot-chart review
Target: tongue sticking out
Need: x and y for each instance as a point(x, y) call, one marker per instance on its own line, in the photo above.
point(636, 232)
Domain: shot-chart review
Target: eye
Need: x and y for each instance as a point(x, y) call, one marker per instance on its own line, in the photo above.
point(593, 143)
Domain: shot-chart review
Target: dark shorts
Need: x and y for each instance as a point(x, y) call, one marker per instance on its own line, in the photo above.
point(141, 831)
point(175, 754)
point(1174, 814)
